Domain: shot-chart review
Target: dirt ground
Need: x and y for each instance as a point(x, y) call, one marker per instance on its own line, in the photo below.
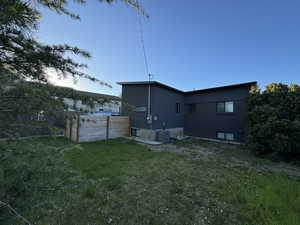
point(231, 156)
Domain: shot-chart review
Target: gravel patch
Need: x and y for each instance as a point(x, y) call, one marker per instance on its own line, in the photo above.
point(195, 150)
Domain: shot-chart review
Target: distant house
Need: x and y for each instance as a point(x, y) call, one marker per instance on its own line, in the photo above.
point(215, 113)
point(111, 107)
point(111, 104)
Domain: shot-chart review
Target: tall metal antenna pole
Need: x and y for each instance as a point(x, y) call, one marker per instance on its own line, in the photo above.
point(149, 117)
point(143, 44)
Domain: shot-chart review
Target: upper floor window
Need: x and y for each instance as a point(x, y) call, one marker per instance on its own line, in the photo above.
point(178, 108)
point(84, 102)
point(225, 107)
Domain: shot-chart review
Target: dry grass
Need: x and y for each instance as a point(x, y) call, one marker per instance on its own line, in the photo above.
point(190, 182)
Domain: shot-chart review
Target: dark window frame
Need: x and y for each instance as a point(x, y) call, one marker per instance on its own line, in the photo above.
point(178, 107)
point(134, 131)
point(217, 107)
point(224, 107)
point(225, 138)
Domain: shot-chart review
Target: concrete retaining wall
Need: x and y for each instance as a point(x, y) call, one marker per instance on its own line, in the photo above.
point(150, 135)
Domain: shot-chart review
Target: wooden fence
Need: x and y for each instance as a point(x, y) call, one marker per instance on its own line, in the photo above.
point(87, 128)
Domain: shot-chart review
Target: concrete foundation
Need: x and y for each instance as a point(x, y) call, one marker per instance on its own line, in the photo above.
point(151, 135)
point(176, 132)
point(146, 134)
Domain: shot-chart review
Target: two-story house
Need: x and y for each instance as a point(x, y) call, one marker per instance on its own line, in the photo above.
point(215, 113)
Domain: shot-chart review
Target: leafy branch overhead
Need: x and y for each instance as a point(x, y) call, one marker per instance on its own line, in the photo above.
point(21, 53)
point(25, 91)
point(23, 59)
point(60, 6)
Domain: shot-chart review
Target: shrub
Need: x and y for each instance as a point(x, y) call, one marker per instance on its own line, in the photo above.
point(274, 120)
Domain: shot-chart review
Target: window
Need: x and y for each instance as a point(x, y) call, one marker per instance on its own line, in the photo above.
point(225, 107)
point(220, 135)
point(41, 116)
point(220, 107)
point(192, 108)
point(140, 109)
point(225, 136)
point(229, 136)
point(134, 132)
point(177, 107)
point(228, 106)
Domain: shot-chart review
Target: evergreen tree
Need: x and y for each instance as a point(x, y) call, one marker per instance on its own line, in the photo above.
point(23, 59)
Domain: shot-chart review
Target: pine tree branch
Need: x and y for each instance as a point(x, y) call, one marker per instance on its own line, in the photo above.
point(3, 204)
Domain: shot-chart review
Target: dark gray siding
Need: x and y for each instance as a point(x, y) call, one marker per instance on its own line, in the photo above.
point(135, 95)
point(206, 122)
point(163, 105)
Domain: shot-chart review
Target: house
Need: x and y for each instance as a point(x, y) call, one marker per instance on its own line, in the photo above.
point(111, 107)
point(214, 113)
point(107, 104)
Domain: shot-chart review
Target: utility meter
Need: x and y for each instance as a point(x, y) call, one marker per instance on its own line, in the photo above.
point(149, 119)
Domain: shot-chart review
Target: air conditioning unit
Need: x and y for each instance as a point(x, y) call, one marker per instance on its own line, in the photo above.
point(163, 136)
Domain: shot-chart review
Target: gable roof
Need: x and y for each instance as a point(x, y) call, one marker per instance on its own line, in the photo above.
point(150, 82)
point(248, 84)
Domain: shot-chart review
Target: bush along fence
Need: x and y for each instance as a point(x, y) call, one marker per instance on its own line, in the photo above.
point(86, 128)
point(274, 121)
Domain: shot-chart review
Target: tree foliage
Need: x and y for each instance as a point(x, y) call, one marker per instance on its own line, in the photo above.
point(274, 120)
point(23, 59)
point(25, 93)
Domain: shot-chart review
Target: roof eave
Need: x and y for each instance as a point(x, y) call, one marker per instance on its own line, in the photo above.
point(151, 83)
point(187, 92)
point(249, 84)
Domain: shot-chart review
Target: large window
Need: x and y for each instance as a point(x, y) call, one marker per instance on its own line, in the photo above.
point(178, 108)
point(225, 136)
point(225, 107)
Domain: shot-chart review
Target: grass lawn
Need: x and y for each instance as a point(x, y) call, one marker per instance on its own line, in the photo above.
point(188, 182)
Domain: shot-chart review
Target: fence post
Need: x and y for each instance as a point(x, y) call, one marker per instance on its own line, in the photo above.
point(107, 128)
point(71, 127)
point(78, 124)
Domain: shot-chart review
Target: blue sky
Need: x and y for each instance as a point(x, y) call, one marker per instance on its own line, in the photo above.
point(190, 44)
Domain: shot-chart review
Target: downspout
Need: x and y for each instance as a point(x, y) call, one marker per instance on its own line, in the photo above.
point(149, 118)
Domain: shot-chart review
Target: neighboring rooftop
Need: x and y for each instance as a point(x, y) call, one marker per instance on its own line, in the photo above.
point(248, 84)
point(85, 93)
point(98, 95)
